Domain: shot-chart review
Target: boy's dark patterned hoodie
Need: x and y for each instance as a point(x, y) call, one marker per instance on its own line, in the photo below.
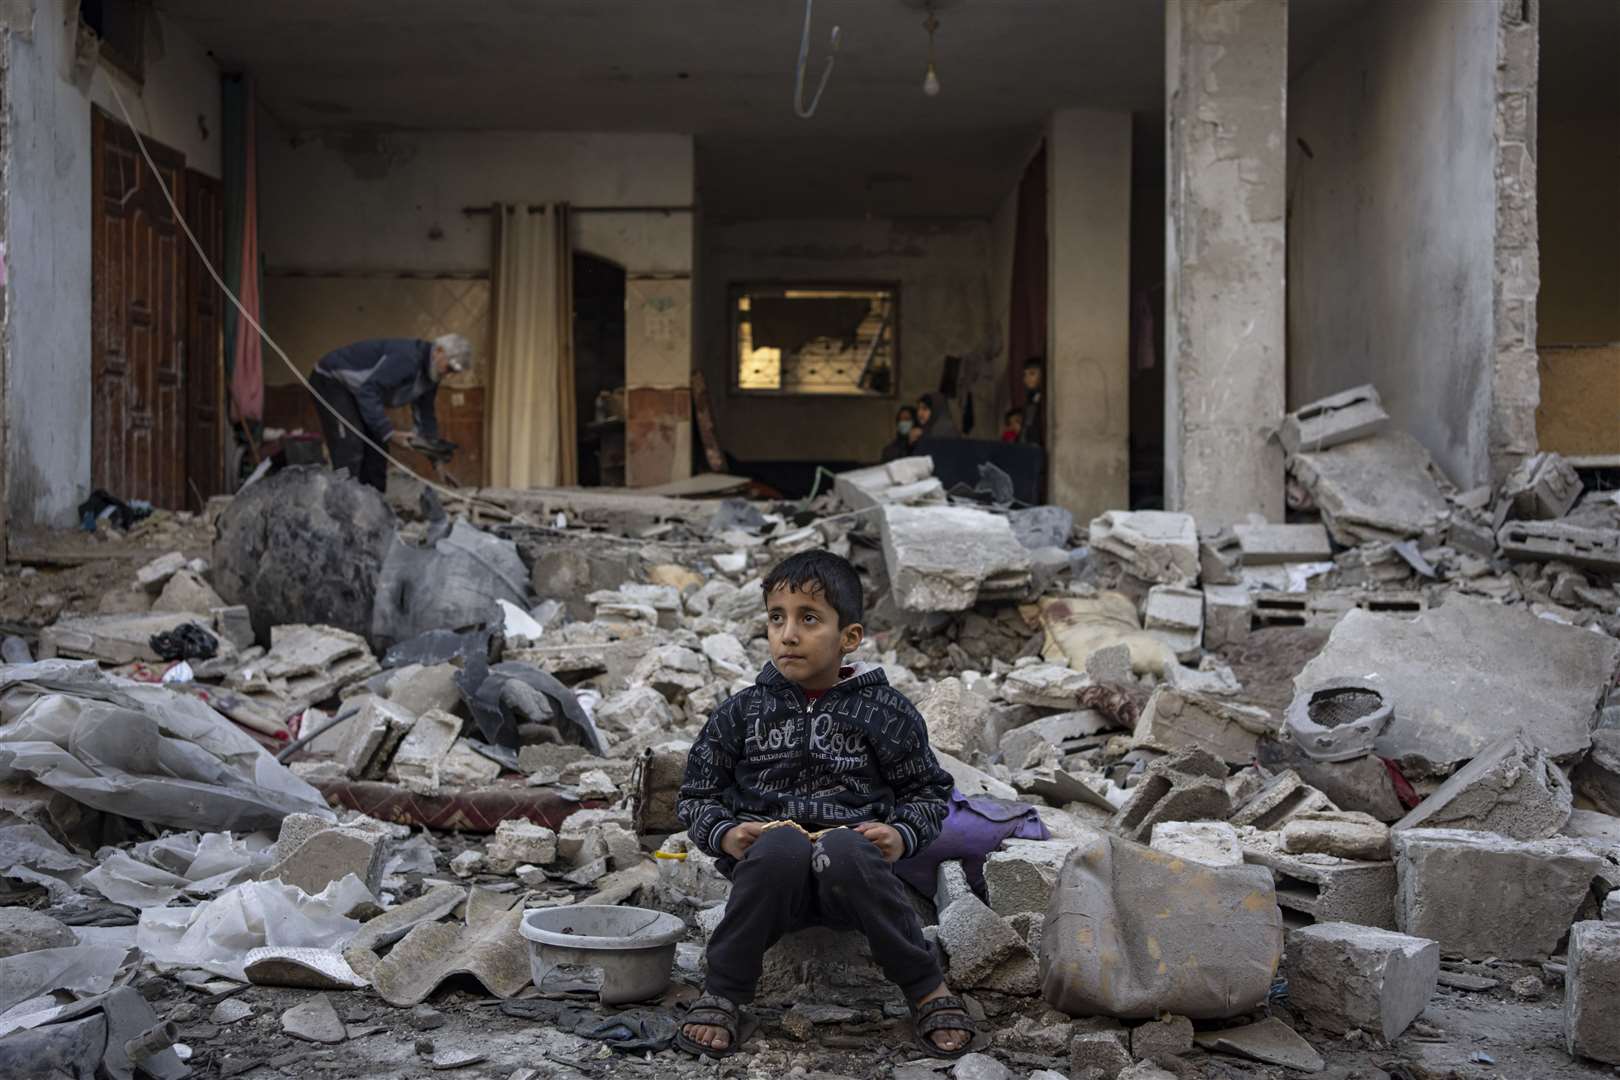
point(857, 753)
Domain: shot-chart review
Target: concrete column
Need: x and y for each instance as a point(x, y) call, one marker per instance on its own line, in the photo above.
point(1226, 81)
point(1088, 219)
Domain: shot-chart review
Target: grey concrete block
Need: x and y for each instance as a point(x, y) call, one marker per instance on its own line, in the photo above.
point(977, 941)
point(1597, 777)
point(947, 558)
point(1019, 876)
point(1177, 720)
point(1322, 888)
point(1154, 545)
point(1168, 1034)
point(1213, 843)
point(1544, 486)
point(1264, 545)
point(331, 855)
point(1543, 541)
point(1228, 613)
point(1338, 418)
point(1175, 615)
point(956, 718)
point(1344, 977)
point(1592, 992)
point(518, 842)
point(951, 884)
point(1480, 895)
point(369, 739)
point(1511, 788)
point(416, 763)
point(1102, 1050)
point(1186, 786)
point(1343, 834)
point(1282, 798)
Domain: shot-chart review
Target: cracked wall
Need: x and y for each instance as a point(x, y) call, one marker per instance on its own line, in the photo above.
point(1226, 72)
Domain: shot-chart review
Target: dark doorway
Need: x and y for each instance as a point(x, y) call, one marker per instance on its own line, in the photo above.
point(599, 370)
point(205, 344)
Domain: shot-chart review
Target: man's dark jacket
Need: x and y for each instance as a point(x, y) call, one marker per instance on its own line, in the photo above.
point(383, 374)
point(857, 753)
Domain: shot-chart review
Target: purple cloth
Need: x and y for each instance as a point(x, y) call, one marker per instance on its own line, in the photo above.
point(973, 828)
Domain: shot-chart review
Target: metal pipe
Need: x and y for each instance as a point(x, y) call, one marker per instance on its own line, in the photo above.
point(154, 1040)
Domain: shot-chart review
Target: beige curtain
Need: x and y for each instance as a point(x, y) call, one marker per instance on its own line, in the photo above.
point(531, 415)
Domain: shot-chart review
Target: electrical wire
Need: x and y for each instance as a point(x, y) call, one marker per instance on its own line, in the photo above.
point(180, 218)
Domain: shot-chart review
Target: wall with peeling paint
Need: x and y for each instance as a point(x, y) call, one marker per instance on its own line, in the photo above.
point(47, 334)
point(1392, 220)
point(945, 308)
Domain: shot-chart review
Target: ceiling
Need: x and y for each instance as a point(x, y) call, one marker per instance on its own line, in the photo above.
point(722, 70)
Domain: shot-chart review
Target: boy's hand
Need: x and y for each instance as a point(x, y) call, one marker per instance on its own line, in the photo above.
point(884, 836)
point(739, 838)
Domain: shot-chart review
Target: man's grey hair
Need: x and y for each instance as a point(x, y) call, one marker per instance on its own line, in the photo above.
point(457, 350)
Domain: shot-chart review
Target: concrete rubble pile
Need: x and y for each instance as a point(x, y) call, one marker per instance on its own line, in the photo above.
point(371, 811)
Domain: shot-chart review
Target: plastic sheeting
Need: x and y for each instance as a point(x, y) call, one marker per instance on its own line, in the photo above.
point(495, 695)
point(218, 935)
point(85, 969)
point(142, 751)
point(154, 873)
point(451, 585)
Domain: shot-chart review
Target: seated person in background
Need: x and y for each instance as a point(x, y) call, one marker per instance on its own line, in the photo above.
point(934, 417)
point(905, 420)
point(1012, 425)
point(806, 787)
point(1034, 424)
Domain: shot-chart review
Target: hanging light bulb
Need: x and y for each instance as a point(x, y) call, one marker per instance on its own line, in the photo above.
point(931, 77)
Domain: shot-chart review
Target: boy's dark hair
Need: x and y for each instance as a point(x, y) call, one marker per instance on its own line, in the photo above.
point(832, 574)
point(1013, 414)
point(1039, 363)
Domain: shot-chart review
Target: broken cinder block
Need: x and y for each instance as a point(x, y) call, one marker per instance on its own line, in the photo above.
point(1341, 833)
point(1482, 895)
point(1175, 615)
point(1228, 613)
point(1019, 876)
point(1543, 487)
point(1323, 888)
point(1154, 545)
point(977, 941)
point(331, 855)
point(1189, 785)
point(1283, 797)
point(369, 739)
point(1337, 418)
point(416, 764)
point(1554, 541)
point(1265, 545)
point(1512, 789)
point(1345, 977)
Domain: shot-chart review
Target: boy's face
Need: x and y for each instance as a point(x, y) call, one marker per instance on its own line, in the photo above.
point(1032, 378)
point(1016, 421)
point(807, 644)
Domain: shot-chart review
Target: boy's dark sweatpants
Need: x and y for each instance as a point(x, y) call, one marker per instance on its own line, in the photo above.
point(784, 882)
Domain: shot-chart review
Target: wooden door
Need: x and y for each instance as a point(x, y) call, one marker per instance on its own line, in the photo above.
point(138, 325)
point(205, 352)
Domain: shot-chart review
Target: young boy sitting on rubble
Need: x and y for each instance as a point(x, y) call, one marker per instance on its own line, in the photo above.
point(807, 786)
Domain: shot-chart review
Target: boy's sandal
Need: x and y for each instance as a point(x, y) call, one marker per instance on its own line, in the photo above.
point(710, 1010)
point(948, 1013)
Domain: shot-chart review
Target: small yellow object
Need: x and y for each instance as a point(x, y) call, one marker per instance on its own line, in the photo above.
point(669, 855)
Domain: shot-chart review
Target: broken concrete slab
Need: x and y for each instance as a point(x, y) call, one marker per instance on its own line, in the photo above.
point(416, 688)
point(1340, 833)
point(370, 738)
point(1338, 418)
point(314, 1019)
point(1058, 734)
point(1213, 843)
point(633, 712)
point(1463, 675)
point(331, 855)
point(1228, 613)
point(727, 657)
point(1270, 1041)
point(385, 929)
point(1592, 992)
point(464, 768)
point(1266, 545)
point(155, 574)
point(187, 591)
point(1544, 486)
point(417, 761)
point(1175, 615)
point(1512, 789)
point(587, 835)
point(517, 842)
point(947, 558)
point(1362, 784)
point(956, 717)
point(1189, 785)
point(1154, 545)
point(908, 480)
point(1381, 488)
point(1344, 977)
point(1176, 720)
point(1482, 895)
point(1129, 934)
point(1597, 777)
point(115, 639)
point(1019, 876)
point(977, 941)
point(1282, 798)
point(1324, 888)
point(1558, 541)
point(22, 931)
point(1049, 686)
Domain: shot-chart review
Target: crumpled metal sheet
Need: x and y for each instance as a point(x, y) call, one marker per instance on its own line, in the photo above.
point(141, 751)
point(488, 947)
